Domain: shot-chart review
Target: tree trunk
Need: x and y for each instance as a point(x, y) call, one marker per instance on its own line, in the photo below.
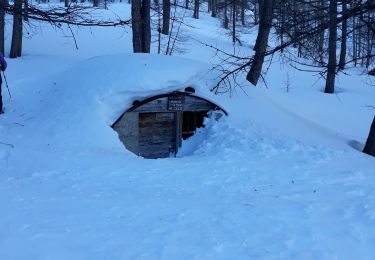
point(196, 9)
point(260, 47)
point(2, 25)
point(243, 8)
point(214, 8)
point(157, 4)
point(16, 46)
point(256, 12)
point(26, 12)
point(344, 32)
point(321, 35)
point(331, 67)
point(95, 3)
point(370, 144)
point(234, 3)
point(260, 10)
point(136, 25)
point(66, 3)
point(226, 20)
point(146, 26)
point(166, 16)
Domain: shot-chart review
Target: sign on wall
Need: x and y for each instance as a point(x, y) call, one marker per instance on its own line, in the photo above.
point(176, 103)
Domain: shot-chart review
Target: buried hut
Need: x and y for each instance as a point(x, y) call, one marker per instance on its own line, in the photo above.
point(155, 127)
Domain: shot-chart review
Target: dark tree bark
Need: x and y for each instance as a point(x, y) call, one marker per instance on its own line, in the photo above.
point(196, 9)
point(332, 44)
point(95, 3)
point(234, 8)
point(260, 10)
point(166, 16)
point(226, 20)
point(370, 144)
point(141, 27)
point(146, 26)
point(26, 11)
point(260, 47)
point(256, 11)
point(187, 4)
point(2, 25)
point(214, 8)
point(321, 35)
point(137, 25)
point(16, 46)
point(243, 8)
point(66, 3)
point(344, 32)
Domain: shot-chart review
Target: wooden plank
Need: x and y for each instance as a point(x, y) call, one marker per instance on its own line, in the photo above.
point(191, 103)
point(176, 103)
point(157, 138)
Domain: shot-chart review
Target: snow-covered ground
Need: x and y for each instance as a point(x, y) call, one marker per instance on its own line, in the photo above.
point(281, 177)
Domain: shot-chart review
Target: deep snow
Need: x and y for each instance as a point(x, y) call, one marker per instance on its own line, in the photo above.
point(279, 178)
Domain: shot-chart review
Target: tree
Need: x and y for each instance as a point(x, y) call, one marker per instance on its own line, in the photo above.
point(344, 32)
point(2, 25)
point(26, 8)
point(141, 27)
point(196, 9)
point(166, 16)
point(332, 44)
point(16, 46)
point(214, 8)
point(234, 13)
point(370, 144)
point(261, 43)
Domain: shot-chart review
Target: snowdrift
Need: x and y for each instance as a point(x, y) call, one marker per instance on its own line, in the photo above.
point(84, 101)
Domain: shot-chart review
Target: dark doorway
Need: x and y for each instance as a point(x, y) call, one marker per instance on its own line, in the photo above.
point(191, 121)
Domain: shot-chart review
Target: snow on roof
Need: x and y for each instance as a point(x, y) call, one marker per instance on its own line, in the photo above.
point(116, 81)
point(91, 95)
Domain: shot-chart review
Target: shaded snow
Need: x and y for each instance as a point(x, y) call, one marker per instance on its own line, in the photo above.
point(276, 179)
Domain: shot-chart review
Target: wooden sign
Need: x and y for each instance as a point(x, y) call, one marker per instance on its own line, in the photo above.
point(176, 103)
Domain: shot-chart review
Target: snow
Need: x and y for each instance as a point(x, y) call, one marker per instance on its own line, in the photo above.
point(276, 179)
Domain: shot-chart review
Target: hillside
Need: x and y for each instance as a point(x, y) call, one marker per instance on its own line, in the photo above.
point(281, 177)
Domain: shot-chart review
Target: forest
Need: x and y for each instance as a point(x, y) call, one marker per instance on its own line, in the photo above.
point(187, 129)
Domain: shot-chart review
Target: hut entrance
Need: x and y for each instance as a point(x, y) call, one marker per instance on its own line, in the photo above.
point(156, 126)
point(191, 121)
point(157, 137)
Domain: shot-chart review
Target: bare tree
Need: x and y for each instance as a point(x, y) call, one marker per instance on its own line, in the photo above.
point(196, 9)
point(260, 47)
point(370, 144)
point(26, 8)
point(16, 46)
point(166, 16)
point(344, 32)
point(141, 27)
point(2, 25)
point(332, 44)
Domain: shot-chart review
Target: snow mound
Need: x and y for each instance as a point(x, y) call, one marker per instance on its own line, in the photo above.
point(86, 99)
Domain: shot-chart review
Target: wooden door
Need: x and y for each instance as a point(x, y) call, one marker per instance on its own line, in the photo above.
point(157, 135)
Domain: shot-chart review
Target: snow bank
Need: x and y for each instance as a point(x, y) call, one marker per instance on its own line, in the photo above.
point(87, 98)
